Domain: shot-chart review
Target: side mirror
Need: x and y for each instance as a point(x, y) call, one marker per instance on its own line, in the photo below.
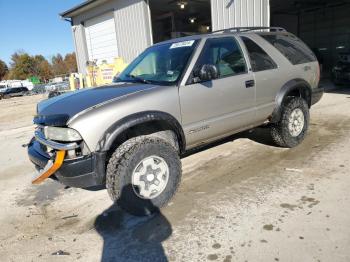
point(205, 73)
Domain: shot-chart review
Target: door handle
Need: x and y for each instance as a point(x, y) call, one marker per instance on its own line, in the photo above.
point(307, 68)
point(249, 83)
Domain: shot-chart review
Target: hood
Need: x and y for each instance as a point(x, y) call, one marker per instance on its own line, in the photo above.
point(70, 104)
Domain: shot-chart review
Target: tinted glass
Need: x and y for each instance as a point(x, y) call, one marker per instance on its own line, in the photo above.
point(225, 54)
point(159, 64)
point(292, 48)
point(259, 59)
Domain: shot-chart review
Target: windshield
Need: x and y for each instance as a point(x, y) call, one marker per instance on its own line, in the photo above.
point(160, 64)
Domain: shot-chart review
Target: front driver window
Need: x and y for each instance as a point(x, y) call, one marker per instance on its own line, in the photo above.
point(225, 54)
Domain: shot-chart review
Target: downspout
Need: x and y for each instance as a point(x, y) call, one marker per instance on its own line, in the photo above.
point(68, 20)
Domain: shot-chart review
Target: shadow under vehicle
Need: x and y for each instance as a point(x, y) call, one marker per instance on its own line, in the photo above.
point(130, 238)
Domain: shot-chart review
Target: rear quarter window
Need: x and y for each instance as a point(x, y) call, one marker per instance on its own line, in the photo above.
point(292, 48)
point(259, 59)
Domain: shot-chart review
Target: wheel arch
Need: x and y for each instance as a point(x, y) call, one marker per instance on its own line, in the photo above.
point(295, 87)
point(153, 120)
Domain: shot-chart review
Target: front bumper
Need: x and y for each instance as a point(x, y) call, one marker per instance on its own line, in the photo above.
point(316, 95)
point(83, 172)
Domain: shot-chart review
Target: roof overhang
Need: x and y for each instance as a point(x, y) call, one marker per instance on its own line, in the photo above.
point(300, 6)
point(85, 6)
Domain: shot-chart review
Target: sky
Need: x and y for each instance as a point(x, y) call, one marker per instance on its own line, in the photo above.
point(35, 27)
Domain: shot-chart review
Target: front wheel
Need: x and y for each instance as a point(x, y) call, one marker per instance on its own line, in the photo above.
point(143, 174)
point(293, 125)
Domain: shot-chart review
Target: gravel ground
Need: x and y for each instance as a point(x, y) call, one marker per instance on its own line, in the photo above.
point(241, 200)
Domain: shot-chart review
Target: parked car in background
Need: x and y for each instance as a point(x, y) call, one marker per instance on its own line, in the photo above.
point(15, 91)
point(3, 88)
point(57, 89)
point(38, 89)
point(341, 71)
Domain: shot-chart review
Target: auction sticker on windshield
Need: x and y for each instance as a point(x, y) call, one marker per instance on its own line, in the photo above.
point(182, 44)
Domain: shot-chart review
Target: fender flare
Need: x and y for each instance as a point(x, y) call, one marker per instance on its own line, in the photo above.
point(295, 84)
point(111, 134)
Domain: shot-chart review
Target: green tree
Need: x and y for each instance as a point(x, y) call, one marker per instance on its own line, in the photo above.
point(58, 65)
point(3, 69)
point(71, 62)
point(22, 66)
point(43, 69)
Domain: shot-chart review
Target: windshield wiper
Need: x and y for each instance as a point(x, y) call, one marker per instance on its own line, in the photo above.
point(139, 79)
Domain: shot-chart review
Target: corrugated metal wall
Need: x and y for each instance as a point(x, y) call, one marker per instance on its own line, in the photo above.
point(80, 47)
point(236, 13)
point(132, 29)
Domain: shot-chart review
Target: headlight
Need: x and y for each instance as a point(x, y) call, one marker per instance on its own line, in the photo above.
point(61, 134)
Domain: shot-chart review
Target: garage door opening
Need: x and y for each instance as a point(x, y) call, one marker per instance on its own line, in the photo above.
point(321, 24)
point(173, 18)
point(101, 38)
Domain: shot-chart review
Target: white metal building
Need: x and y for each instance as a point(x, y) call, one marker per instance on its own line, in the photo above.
point(105, 29)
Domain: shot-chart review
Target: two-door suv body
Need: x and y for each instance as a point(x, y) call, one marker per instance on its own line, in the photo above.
point(175, 96)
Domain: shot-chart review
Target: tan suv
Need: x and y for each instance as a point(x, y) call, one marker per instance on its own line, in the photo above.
point(177, 95)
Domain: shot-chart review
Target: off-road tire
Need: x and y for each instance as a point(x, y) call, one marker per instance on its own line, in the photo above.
point(121, 165)
point(279, 131)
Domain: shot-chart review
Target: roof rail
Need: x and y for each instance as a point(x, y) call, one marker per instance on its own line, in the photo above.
point(247, 29)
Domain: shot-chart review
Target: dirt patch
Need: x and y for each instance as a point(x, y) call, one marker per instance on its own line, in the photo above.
point(288, 206)
point(40, 195)
point(312, 201)
point(268, 227)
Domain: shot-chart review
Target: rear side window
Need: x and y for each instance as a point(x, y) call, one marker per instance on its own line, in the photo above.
point(292, 48)
point(259, 59)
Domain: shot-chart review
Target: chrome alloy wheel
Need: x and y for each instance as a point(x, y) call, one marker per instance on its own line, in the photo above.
point(296, 122)
point(150, 176)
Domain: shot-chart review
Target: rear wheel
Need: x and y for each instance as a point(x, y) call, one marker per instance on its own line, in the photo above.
point(143, 175)
point(293, 125)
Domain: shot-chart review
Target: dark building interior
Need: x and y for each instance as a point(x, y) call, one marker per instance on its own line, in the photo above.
point(323, 24)
point(173, 18)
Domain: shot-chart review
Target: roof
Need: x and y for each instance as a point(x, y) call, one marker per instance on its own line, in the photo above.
point(228, 32)
point(86, 5)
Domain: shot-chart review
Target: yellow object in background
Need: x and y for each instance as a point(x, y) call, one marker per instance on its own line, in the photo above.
point(81, 81)
point(88, 81)
point(72, 82)
point(103, 74)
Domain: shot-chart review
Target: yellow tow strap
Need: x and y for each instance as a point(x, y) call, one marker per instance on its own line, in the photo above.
point(56, 165)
